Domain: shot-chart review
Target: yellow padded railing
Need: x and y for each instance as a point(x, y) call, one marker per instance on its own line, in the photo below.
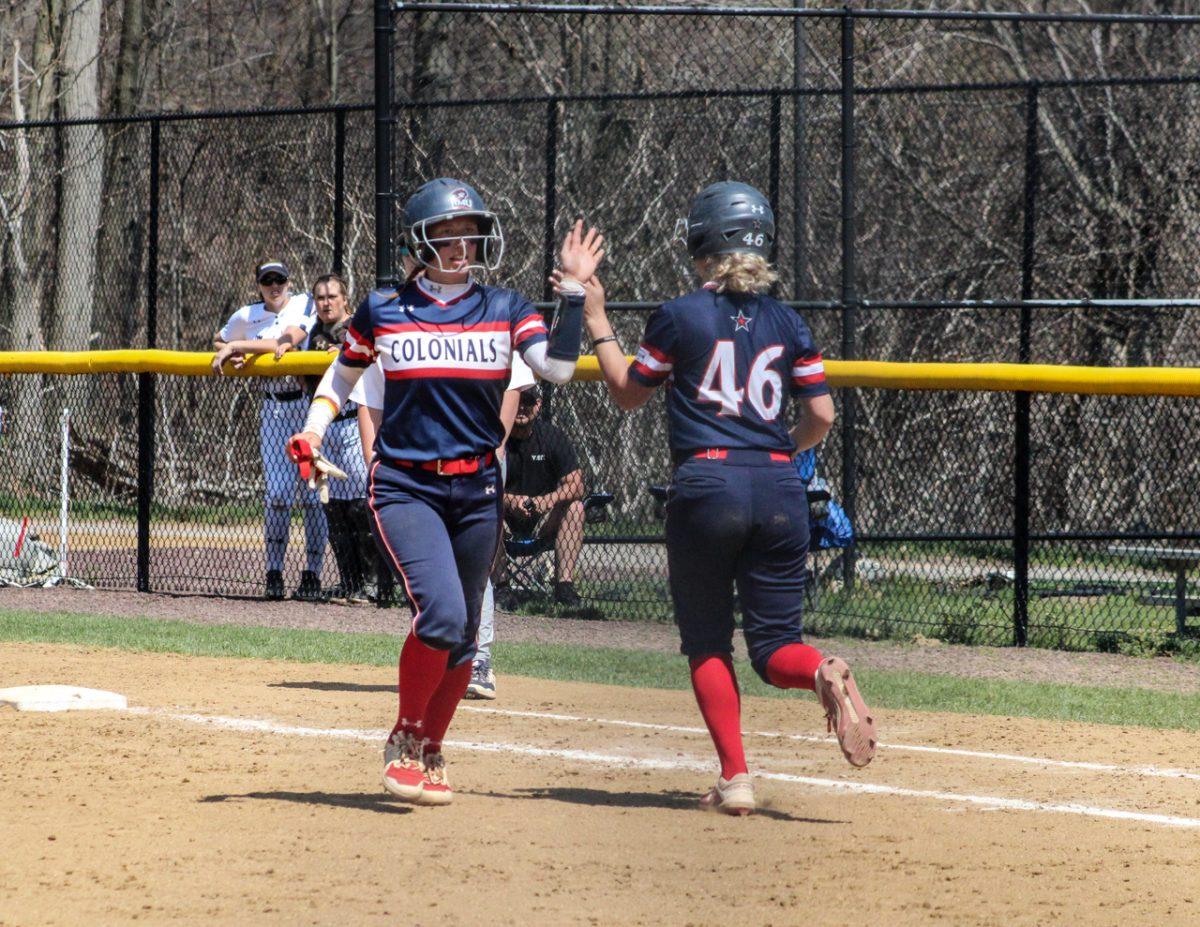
point(1032, 378)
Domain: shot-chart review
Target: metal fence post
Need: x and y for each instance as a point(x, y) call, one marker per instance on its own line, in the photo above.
point(147, 381)
point(385, 142)
point(548, 227)
point(849, 292)
point(339, 189)
point(1021, 443)
point(799, 143)
point(775, 130)
point(551, 197)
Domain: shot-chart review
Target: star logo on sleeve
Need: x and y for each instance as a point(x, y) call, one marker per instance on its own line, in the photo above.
point(741, 322)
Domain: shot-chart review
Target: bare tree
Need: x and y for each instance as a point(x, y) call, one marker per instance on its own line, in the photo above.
point(82, 177)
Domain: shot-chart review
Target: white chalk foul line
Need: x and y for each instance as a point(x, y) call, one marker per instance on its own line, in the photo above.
point(259, 726)
point(1161, 772)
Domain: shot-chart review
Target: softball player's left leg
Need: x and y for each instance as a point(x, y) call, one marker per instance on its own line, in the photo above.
point(771, 576)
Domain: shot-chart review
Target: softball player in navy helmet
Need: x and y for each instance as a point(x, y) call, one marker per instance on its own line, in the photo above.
point(445, 343)
point(737, 513)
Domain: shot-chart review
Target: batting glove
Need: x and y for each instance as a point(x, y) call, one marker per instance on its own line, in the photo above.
point(315, 468)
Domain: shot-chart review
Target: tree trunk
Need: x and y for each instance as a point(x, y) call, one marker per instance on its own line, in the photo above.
point(130, 58)
point(43, 91)
point(30, 238)
point(82, 180)
point(121, 249)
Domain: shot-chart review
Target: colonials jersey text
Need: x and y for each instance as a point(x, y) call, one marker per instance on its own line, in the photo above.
point(445, 363)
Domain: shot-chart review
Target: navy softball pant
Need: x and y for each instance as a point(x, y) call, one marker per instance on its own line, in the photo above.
point(440, 534)
point(740, 520)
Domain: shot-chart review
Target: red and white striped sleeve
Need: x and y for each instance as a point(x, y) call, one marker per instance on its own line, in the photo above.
point(655, 358)
point(808, 367)
point(358, 346)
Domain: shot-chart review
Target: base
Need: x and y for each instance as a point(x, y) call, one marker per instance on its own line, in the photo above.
point(59, 698)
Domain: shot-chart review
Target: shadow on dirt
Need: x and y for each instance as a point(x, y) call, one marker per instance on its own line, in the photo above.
point(377, 803)
point(672, 801)
point(322, 686)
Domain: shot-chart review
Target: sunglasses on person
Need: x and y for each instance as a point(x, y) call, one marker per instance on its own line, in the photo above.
point(273, 280)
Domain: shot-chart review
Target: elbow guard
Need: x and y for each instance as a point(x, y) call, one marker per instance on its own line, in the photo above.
point(567, 329)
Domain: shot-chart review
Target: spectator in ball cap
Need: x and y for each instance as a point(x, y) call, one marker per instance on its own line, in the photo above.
point(273, 267)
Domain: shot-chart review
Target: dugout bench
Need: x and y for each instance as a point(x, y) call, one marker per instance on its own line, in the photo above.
point(1180, 561)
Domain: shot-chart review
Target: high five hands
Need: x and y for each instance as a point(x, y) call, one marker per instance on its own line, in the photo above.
point(580, 255)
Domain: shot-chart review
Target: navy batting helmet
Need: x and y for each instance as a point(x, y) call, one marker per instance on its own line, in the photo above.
point(728, 218)
point(444, 199)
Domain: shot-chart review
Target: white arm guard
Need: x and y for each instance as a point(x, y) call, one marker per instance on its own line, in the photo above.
point(332, 393)
point(554, 369)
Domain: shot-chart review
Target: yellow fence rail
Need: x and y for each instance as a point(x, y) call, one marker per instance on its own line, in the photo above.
point(1029, 378)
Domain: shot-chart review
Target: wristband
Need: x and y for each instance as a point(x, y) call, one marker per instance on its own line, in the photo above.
point(604, 340)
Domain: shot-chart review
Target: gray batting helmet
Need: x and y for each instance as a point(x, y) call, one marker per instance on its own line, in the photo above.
point(446, 198)
point(727, 218)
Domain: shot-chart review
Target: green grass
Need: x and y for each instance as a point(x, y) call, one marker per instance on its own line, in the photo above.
point(886, 689)
point(899, 608)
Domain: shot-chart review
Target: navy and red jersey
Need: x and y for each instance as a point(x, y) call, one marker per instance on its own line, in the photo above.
point(729, 357)
point(445, 365)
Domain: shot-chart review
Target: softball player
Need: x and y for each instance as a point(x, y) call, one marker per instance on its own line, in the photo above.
point(370, 391)
point(736, 510)
point(446, 343)
point(258, 328)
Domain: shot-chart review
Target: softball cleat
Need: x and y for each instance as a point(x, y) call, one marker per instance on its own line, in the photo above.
point(403, 775)
point(731, 796)
point(846, 713)
point(436, 789)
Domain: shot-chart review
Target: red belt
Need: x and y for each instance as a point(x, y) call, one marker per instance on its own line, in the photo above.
point(720, 453)
point(459, 467)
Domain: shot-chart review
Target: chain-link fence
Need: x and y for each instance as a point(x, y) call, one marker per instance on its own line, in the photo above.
point(935, 554)
point(947, 186)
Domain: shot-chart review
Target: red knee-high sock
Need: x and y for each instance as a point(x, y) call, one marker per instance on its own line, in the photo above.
point(421, 671)
point(794, 666)
point(720, 701)
point(443, 703)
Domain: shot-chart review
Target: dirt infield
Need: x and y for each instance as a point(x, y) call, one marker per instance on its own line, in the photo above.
point(574, 805)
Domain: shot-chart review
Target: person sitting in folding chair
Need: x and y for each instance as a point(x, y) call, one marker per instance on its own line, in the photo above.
point(543, 496)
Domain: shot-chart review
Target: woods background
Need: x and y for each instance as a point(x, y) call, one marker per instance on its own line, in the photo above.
point(638, 113)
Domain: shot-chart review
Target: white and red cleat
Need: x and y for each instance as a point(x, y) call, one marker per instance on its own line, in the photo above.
point(403, 775)
point(436, 789)
point(845, 711)
point(731, 796)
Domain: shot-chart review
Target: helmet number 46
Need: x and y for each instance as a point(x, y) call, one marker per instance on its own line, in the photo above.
point(756, 241)
point(763, 388)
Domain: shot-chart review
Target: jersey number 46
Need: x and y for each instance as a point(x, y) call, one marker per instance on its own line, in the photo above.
point(763, 388)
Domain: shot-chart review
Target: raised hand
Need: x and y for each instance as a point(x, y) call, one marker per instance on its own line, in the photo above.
point(581, 253)
point(593, 301)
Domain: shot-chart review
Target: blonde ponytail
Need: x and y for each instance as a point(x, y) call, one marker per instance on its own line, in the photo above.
point(740, 273)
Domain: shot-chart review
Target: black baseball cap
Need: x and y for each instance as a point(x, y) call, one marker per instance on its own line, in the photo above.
point(272, 267)
point(531, 395)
